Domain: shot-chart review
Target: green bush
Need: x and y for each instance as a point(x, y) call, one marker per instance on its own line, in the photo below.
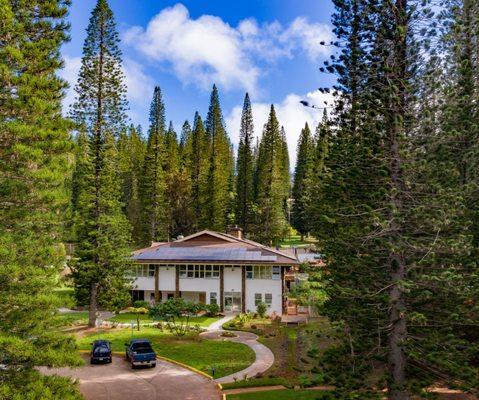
point(212, 309)
point(261, 309)
point(141, 304)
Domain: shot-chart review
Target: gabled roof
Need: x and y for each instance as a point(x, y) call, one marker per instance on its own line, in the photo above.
point(213, 247)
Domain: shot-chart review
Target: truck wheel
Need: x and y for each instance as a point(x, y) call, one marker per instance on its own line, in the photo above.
point(132, 366)
point(153, 365)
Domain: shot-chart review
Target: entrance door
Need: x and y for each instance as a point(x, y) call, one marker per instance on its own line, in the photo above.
point(202, 298)
point(233, 301)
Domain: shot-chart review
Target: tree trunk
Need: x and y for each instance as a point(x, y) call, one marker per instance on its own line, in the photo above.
point(93, 306)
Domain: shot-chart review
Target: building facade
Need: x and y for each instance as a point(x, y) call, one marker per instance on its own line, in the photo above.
point(211, 267)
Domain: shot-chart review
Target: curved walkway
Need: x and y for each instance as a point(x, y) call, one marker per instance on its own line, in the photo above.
point(264, 356)
point(117, 381)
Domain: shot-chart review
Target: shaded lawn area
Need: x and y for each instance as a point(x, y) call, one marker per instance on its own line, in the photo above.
point(295, 240)
point(127, 318)
point(288, 394)
point(65, 296)
point(72, 318)
point(226, 357)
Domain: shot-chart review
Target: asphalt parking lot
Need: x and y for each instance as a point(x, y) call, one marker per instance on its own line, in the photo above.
point(117, 381)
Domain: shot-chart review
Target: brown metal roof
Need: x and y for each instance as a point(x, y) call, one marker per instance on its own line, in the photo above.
point(212, 247)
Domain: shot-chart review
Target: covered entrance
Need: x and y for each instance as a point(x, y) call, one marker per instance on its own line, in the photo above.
point(233, 301)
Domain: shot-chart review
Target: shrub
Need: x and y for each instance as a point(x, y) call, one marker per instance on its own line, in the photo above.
point(261, 309)
point(212, 310)
point(141, 304)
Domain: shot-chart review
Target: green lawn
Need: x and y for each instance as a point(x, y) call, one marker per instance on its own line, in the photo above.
point(226, 357)
point(295, 240)
point(73, 318)
point(145, 319)
point(288, 394)
point(65, 297)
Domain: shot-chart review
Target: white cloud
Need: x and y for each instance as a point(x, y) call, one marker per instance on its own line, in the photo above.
point(207, 49)
point(291, 114)
point(140, 86)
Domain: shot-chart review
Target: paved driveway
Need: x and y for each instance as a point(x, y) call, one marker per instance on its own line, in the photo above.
point(117, 381)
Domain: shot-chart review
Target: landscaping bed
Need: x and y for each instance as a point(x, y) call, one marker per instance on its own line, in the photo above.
point(223, 356)
point(296, 350)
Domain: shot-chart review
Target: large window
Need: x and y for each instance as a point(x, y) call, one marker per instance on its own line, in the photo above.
point(144, 271)
point(263, 272)
point(200, 271)
point(268, 299)
point(213, 298)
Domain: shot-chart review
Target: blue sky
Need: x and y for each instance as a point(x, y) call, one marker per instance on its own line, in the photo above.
point(269, 48)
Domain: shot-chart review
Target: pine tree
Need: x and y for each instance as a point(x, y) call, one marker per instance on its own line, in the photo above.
point(184, 138)
point(154, 220)
point(303, 179)
point(271, 221)
point(381, 220)
point(244, 170)
point(131, 149)
point(196, 159)
point(99, 109)
point(220, 169)
point(35, 161)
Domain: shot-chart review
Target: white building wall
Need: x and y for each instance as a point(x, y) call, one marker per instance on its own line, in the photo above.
point(166, 278)
point(232, 279)
point(206, 285)
point(264, 286)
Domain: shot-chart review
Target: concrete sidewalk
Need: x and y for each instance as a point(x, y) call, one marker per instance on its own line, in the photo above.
point(264, 356)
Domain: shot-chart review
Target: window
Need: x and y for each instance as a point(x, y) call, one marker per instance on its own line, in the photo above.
point(151, 270)
point(200, 271)
point(258, 298)
point(213, 298)
point(259, 272)
point(277, 273)
point(268, 299)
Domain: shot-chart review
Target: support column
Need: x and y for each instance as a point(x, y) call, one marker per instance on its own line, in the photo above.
point(222, 288)
point(177, 281)
point(157, 295)
point(283, 299)
point(243, 288)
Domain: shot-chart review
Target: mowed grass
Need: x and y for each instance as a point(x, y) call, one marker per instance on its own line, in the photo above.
point(72, 318)
point(127, 318)
point(225, 357)
point(288, 394)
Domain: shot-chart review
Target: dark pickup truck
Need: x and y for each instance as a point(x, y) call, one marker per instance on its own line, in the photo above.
point(139, 352)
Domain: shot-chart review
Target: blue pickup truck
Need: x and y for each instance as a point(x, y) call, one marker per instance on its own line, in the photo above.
point(140, 353)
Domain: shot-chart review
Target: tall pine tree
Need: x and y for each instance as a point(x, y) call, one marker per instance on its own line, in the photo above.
point(245, 169)
point(35, 161)
point(220, 169)
point(99, 110)
point(303, 179)
point(154, 220)
point(271, 224)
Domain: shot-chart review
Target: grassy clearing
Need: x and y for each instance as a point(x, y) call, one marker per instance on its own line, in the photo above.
point(295, 241)
point(65, 297)
point(72, 318)
point(288, 394)
point(225, 357)
point(146, 319)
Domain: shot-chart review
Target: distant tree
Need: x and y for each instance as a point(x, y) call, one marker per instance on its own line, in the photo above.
point(184, 138)
point(196, 159)
point(245, 170)
point(35, 164)
point(303, 179)
point(217, 201)
point(99, 110)
point(271, 224)
point(177, 314)
point(154, 220)
point(131, 149)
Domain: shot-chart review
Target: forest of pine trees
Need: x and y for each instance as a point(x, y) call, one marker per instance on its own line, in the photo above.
point(387, 183)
